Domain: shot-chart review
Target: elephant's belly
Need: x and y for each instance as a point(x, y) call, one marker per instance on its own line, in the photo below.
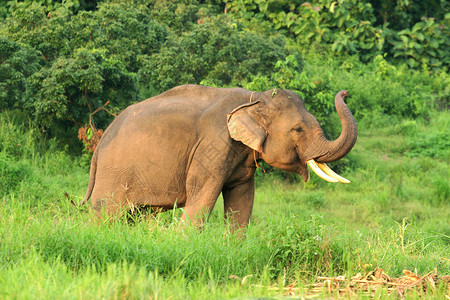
point(158, 191)
point(134, 185)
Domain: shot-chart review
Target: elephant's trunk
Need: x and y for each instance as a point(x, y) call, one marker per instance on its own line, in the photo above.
point(335, 150)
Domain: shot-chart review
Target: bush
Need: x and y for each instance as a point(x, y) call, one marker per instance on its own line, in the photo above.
point(8, 7)
point(216, 52)
point(425, 44)
point(361, 27)
point(12, 173)
point(380, 88)
point(84, 63)
point(287, 74)
point(182, 16)
point(17, 63)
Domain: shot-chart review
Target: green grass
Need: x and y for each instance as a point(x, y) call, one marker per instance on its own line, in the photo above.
point(394, 215)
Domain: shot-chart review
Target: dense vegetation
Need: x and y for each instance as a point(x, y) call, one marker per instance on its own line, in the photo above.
point(62, 61)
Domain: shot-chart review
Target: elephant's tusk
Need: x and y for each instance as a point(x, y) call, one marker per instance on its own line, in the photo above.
point(331, 173)
point(313, 165)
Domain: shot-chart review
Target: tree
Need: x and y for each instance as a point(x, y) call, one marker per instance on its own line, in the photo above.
point(216, 52)
point(17, 63)
point(88, 59)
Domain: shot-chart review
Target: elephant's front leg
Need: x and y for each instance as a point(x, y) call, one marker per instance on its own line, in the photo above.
point(238, 203)
point(202, 191)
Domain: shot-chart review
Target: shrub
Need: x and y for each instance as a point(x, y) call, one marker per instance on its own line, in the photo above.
point(182, 16)
point(17, 63)
point(84, 63)
point(425, 44)
point(216, 52)
point(361, 27)
point(435, 145)
point(11, 173)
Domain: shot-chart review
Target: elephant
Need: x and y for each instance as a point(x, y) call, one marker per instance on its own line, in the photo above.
point(189, 144)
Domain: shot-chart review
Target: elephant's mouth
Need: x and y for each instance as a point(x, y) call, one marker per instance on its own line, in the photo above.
point(323, 171)
point(304, 171)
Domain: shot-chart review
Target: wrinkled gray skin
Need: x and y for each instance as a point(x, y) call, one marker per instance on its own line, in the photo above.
point(191, 143)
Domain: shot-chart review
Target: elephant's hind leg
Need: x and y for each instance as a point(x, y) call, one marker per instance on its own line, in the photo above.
point(109, 204)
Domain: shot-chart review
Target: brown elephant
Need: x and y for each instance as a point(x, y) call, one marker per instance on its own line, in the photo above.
point(191, 143)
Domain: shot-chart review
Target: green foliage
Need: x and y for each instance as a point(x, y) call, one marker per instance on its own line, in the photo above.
point(401, 14)
point(17, 63)
point(307, 244)
point(17, 144)
point(9, 6)
point(346, 25)
point(287, 74)
point(61, 60)
point(30, 163)
point(216, 52)
point(18, 140)
point(182, 16)
point(380, 88)
point(425, 44)
point(12, 173)
point(85, 61)
point(431, 143)
point(351, 26)
point(435, 146)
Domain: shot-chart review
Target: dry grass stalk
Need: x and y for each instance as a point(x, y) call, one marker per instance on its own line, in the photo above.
point(373, 280)
point(368, 284)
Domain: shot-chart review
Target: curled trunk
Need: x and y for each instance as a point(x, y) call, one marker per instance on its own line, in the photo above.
point(335, 150)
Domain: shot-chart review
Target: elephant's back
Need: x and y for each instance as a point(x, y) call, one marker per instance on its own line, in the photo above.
point(176, 117)
point(160, 116)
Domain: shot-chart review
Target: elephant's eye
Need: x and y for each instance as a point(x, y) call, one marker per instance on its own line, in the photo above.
point(298, 129)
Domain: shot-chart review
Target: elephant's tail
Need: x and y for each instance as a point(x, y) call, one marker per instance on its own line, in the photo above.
point(91, 178)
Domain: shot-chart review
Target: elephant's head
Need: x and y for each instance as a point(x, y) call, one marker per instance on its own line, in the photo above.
point(288, 137)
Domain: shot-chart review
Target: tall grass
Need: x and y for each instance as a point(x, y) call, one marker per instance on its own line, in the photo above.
point(393, 215)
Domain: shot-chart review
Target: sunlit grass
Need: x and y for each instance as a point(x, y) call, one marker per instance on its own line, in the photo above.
point(394, 215)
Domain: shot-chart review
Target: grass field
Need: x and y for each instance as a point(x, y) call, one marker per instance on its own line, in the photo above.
point(394, 216)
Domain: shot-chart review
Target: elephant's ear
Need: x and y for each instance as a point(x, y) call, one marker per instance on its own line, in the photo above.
point(243, 125)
